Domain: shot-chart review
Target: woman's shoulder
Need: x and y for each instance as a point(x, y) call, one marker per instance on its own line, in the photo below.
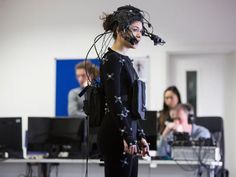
point(115, 55)
point(112, 58)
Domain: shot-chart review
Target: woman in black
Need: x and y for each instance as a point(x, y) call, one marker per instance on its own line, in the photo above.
point(120, 133)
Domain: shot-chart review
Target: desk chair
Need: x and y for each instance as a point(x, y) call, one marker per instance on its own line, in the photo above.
point(216, 127)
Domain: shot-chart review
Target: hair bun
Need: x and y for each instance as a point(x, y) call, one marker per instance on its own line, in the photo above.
point(121, 19)
point(108, 22)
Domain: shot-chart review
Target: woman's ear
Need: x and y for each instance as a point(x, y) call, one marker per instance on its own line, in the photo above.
point(122, 34)
point(117, 32)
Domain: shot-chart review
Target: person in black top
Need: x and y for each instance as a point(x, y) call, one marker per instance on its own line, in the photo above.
point(121, 139)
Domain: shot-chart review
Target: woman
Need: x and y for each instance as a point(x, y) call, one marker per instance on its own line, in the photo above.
point(171, 100)
point(120, 133)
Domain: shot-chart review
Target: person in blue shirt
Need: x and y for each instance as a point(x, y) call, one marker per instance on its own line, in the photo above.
point(180, 116)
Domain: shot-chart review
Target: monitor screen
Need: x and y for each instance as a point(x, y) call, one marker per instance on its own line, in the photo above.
point(11, 136)
point(149, 126)
point(56, 136)
point(38, 133)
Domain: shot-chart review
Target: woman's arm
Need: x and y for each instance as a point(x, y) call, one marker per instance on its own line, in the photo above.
point(112, 69)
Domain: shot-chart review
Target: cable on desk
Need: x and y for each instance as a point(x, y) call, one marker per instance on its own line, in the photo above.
point(189, 169)
point(189, 165)
point(29, 171)
point(55, 165)
point(202, 158)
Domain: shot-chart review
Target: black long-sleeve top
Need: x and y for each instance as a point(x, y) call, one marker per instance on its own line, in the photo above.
point(117, 77)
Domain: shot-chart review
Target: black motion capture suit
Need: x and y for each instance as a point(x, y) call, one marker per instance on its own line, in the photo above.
point(117, 76)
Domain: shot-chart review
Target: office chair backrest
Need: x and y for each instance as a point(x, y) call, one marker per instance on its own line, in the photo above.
point(213, 124)
point(216, 127)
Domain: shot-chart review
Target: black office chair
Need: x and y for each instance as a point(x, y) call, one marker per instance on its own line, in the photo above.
point(216, 127)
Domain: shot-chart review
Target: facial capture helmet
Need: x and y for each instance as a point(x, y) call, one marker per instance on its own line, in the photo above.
point(124, 16)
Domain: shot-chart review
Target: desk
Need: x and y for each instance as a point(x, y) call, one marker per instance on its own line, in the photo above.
point(76, 167)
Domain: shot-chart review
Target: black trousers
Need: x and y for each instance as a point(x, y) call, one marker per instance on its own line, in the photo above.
point(121, 166)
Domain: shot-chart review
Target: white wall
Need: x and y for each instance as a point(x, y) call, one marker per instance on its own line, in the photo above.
point(35, 32)
point(210, 80)
point(31, 40)
point(230, 121)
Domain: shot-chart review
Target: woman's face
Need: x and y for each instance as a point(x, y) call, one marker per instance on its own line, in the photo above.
point(135, 31)
point(171, 99)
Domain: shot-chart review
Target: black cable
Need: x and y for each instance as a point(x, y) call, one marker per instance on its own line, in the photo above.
point(86, 58)
point(199, 170)
point(190, 169)
point(101, 53)
point(109, 38)
point(103, 42)
point(87, 153)
point(149, 171)
point(95, 41)
point(201, 159)
point(57, 171)
point(51, 167)
point(28, 170)
point(108, 44)
point(97, 38)
point(202, 155)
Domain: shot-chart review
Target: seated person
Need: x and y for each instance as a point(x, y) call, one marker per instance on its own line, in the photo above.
point(75, 102)
point(180, 116)
point(171, 99)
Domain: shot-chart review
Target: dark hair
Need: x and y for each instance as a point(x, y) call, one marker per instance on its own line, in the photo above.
point(176, 92)
point(91, 68)
point(188, 108)
point(164, 113)
point(121, 19)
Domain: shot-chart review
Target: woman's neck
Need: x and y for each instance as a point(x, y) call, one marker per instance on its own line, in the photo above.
point(118, 47)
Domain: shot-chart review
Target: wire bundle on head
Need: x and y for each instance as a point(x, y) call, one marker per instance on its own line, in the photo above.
point(124, 16)
point(120, 20)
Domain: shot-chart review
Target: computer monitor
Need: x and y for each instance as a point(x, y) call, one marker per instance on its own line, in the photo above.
point(11, 137)
point(149, 126)
point(60, 137)
point(37, 135)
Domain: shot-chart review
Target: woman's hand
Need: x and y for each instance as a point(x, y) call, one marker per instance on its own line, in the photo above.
point(130, 149)
point(144, 147)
